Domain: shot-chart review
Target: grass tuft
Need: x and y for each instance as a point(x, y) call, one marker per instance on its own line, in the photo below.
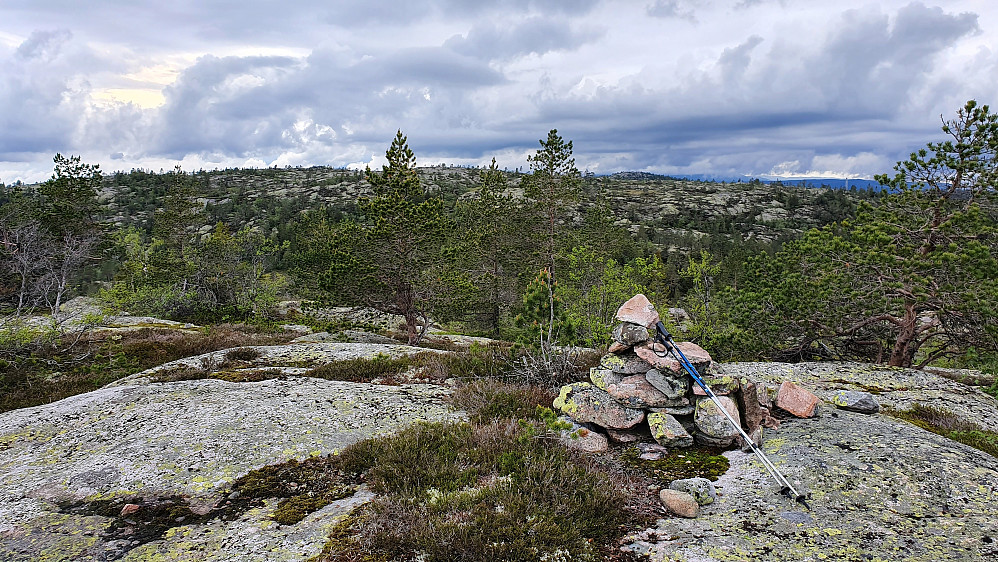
point(946, 423)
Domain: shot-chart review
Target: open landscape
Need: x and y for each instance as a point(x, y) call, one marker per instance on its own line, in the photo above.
point(428, 281)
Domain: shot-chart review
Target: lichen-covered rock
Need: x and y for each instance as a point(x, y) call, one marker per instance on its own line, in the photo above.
point(582, 437)
point(680, 503)
point(659, 358)
point(712, 426)
point(629, 334)
point(721, 386)
point(672, 385)
point(636, 392)
point(701, 489)
point(603, 378)
point(881, 489)
point(897, 389)
point(638, 310)
point(584, 402)
point(186, 439)
point(624, 363)
point(856, 401)
point(667, 431)
point(796, 400)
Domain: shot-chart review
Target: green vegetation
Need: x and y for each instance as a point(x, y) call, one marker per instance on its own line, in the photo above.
point(463, 492)
point(695, 462)
point(907, 278)
point(945, 423)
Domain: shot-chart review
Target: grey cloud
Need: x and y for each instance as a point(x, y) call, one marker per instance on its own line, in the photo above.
point(671, 9)
point(533, 36)
point(43, 45)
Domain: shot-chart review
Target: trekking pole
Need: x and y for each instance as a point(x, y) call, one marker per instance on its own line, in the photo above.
point(665, 338)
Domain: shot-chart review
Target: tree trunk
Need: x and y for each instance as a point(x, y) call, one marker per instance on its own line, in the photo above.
point(905, 346)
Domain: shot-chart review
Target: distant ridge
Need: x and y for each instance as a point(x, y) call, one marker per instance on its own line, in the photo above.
point(834, 183)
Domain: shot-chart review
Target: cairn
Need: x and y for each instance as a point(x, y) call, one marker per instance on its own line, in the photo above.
point(637, 389)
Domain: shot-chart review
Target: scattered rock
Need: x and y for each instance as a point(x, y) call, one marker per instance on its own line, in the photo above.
point(638, 310)
point(129, 508)
point(651, 451)
point(701, 489)
point(667, 431)
point(680, 503)
point(584, 402)
point(856, 401)
point(796, 400)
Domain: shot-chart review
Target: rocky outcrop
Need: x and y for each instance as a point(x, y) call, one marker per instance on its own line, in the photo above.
point(186, 440)
point(881, 489)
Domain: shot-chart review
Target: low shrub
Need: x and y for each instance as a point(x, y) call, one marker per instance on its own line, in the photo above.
point(946, 423)
point(489, 399)
point(454, 491)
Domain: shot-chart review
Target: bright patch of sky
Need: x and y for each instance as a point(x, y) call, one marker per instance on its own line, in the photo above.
point(790, 88)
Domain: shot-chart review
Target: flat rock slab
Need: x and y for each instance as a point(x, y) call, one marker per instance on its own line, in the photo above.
point(893, 387)
point(881, 489)
point(297, 356)
point(189, 438)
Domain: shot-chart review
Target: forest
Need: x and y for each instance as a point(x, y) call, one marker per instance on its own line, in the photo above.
point(539, 258)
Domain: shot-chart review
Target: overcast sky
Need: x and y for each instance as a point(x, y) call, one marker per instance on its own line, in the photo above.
point(754, 87)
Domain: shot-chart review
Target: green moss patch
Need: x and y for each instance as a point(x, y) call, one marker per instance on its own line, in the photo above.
point(949, 425)
point(305, 487)
point(693, 462)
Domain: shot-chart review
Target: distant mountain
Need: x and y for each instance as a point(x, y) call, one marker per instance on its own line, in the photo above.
point(834, 183)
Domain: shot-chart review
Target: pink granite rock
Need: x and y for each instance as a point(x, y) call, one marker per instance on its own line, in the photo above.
point(636, 392)
point(638, 310)
point(795, 400)
point(656, 355)
point(680, 503)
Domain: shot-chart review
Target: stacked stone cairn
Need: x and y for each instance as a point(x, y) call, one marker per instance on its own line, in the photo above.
point(639, 388)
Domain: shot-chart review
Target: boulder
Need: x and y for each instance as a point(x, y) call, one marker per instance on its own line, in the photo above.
point(701, 489)
point(638, 310)
point(656, 355)
point(680, 503)
point(856, 401)
point(636, 392)
point(629, 334)
point(796, 401)
point(667, 431)
point(584, 402)
point(712, 427)
point(672, 385)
